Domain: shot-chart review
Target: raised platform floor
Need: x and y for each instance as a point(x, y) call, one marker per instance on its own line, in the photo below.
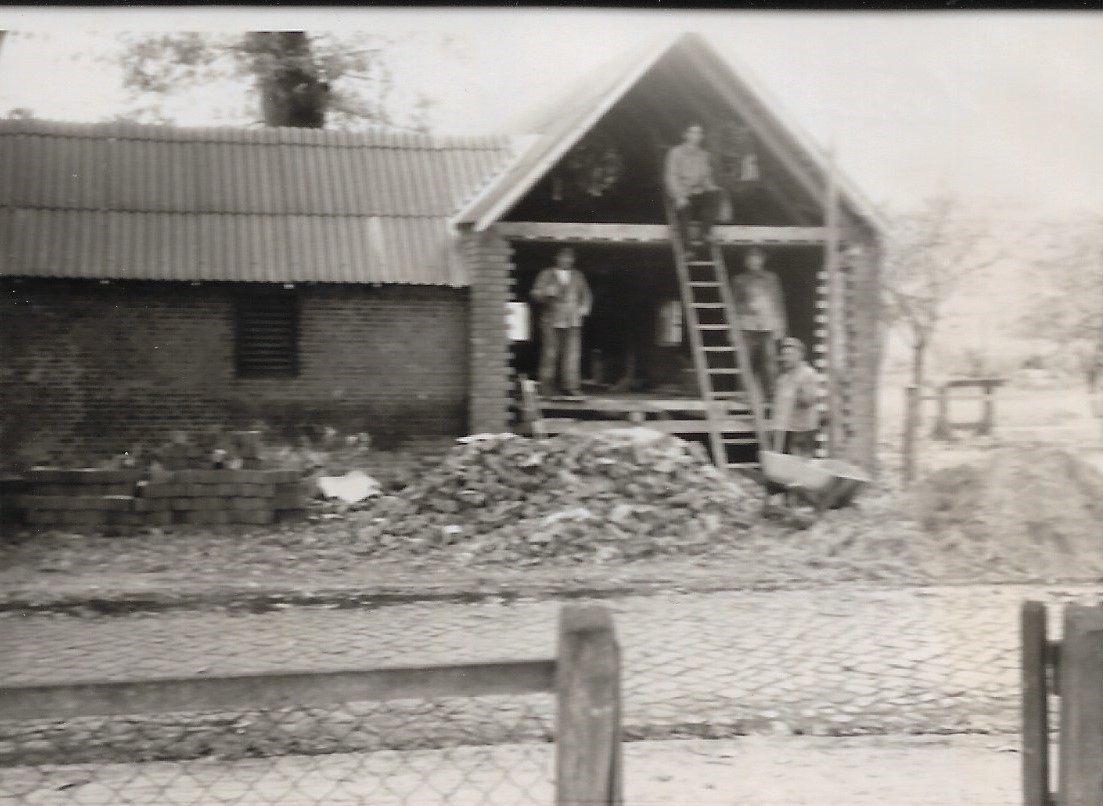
point(669, 414)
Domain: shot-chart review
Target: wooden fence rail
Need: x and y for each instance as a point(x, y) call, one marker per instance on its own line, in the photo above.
point(585, 676)
point(1072, 669)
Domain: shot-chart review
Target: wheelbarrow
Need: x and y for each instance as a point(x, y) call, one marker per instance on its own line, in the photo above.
point(823, 483)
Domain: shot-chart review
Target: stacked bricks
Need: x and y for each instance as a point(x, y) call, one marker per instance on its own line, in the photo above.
point(124, 500)
point(221, 497)
point(85, 498)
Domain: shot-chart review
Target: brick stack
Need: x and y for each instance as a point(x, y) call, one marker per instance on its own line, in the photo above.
point(124, 500)
point(76, 498)
point(220, 497)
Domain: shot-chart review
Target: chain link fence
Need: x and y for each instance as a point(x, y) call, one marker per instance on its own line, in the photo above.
point(476, 733)
point(476, 750)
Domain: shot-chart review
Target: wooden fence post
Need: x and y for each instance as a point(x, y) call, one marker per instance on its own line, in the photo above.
point(588, 730)
point(942, 428)
point(911, 428)
point(1035, 705)
point(988, 413)
point(1080, 766)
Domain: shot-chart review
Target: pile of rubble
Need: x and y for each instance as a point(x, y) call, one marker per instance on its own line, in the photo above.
point(617, 494)
point(1019, 510)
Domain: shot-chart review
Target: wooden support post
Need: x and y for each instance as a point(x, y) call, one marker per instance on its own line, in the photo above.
point(835, 358)
point(1080, 767)
point(942, 429)
point(1035, 705)
point(588, 730)
point(988, 415)
point(911, 428)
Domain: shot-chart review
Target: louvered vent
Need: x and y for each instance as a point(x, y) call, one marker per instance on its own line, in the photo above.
point(267, 333)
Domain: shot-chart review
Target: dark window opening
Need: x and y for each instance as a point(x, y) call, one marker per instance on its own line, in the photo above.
point(267, 334)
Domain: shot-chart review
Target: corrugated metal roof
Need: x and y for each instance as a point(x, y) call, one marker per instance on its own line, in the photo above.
point(558, 126)
point(114, 201)
point(215, 246)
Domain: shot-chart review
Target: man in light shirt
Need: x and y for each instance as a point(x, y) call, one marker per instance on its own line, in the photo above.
point(760, 307)
point(688, 176)
point(565, 295)
point(796, 414)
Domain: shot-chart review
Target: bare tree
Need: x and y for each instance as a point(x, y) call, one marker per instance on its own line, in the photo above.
point(931, 253)
point(1067, 310)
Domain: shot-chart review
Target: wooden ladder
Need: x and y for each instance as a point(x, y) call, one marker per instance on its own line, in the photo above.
point(720, 359)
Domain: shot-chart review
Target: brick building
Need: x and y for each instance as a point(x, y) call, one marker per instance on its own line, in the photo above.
point(159, 278)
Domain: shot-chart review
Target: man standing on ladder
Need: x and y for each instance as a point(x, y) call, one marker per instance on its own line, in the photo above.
point(566, 298)
point(689, 181)
point(760, 311)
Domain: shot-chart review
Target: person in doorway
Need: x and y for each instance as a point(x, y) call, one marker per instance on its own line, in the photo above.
point(796, 413)
point(688, 175)
point(566, 299)
point(760, 308)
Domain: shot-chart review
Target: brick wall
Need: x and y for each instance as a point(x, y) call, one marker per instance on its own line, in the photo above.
point(489, 260)
point(89, 369)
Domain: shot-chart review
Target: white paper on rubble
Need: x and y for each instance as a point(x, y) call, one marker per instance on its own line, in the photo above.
point(351, 488)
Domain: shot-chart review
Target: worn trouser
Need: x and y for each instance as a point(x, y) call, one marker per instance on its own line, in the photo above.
point(562, 346)
point(701, 207)
point(762, 352)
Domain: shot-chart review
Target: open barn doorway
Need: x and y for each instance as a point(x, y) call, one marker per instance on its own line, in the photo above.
point(624, 346)
point(635, 341)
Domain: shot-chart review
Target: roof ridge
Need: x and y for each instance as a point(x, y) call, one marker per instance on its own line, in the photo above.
point(372, 137)
point(437, 215)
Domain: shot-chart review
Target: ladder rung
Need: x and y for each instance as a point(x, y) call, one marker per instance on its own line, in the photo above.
point(727, 395)
point(700, 263)
point(718, 349)
point(709, 305)
point(704, 283)
point(745, 441)
point(712, 327)
point(722, 371)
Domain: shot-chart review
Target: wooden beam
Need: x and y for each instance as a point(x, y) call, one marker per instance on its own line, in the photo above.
point(588, 769)
point(725, 235)
point(836, 361)
point(1035, 704)
point(1080, 773)
point(282, 690)
point(562, 425)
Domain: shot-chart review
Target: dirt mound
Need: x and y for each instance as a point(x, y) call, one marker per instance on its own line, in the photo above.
point(1034, 510)
point(617, 494)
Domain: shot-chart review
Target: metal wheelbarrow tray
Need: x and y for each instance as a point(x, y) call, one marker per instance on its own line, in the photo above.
point(827, 483)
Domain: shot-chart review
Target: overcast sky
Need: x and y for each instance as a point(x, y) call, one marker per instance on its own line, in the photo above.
point(1003, 108)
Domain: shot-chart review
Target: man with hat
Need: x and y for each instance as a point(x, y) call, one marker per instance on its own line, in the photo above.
point(796, 414)
point(760, 307)
point(566, 298)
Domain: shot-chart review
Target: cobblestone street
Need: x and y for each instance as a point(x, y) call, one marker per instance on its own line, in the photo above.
point(817, 661)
